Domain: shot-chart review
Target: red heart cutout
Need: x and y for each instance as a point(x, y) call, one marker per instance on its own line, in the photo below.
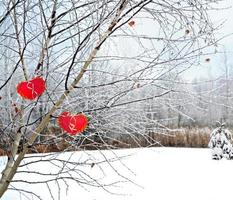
point(72, 124)
point(31, 89)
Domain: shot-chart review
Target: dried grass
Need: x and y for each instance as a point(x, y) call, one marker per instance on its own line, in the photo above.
point(179, 138)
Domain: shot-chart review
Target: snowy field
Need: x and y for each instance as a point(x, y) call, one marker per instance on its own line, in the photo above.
point(161, 174)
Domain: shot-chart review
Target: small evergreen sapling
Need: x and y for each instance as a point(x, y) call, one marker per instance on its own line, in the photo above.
point(221, 143)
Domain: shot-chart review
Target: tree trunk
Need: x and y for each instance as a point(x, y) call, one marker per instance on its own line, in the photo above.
point(12, 164)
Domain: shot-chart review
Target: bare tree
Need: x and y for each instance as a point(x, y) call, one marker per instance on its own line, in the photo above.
point(144, 45)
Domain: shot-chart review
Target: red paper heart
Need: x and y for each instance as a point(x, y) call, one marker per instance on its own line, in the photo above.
point(72, 124)
point(31, 89)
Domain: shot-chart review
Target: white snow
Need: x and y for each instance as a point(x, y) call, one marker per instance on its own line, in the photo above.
point(162, 173)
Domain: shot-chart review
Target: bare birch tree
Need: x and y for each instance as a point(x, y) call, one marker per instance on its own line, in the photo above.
point(109, 59)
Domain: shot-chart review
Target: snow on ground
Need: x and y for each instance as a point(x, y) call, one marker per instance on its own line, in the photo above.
point(162, 173)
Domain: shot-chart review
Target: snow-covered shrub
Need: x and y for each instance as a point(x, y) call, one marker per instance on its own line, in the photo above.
point(221, 143)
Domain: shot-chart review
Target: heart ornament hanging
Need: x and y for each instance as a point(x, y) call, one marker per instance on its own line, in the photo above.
point(31, 89)
point(72, 124)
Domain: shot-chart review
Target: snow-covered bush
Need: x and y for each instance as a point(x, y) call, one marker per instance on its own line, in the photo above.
point(221, 143)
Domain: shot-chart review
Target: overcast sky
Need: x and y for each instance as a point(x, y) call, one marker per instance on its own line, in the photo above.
point(211, 70)
point(215, 67)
